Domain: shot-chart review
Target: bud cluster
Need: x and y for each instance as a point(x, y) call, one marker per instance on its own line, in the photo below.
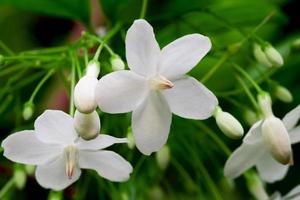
point(267, 55)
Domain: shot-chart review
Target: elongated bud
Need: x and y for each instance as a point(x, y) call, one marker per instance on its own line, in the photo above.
point(250, 116)
point(93, 69)
point(296, 44)
point(84, 94)
point(273, 56)
point(29, 169)
point(131, 142)
point(87, 125)
point(19, 177)
point(277, 140)
point(116, 63)
point(228, 124)
point(265, 104)
point(163, 157)
point(28, 110)
point(260, 55)
point(283, 94)
point(71, 158)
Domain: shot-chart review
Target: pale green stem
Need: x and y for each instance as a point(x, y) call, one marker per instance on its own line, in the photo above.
point(5, 48)
point(6, 188)
point(73, 74)
point(144, 9)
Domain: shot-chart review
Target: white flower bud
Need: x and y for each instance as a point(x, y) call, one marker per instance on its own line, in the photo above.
point(84, 94)
point(277, 140)
point(19, 177)
point(265, 104)
point(260, 56)
point(28, 110)
point(228, 124)
point(283, 94)
point(117, 63)
point(273, 56)
point(93, 69)
point(163, 157)
point(87, 125)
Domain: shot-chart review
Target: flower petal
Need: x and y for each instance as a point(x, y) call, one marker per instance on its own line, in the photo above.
point(151, 123)
point(294, 194)
point(254, 134)
point(295, 135)
point(142, 50)
point(53, 175)
point(269, 169)
point(55, 127)
point(190, 99)
point(100, 142)
point(291, 118)
point(108, 164)
point(120, 91)
point(242, 159)
point(24, 147)
point(180, 56)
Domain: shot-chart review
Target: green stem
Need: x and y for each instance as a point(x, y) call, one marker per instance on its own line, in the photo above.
point(77, 63)
point(144, 9)
point(215, 67)
point(41, 83)
point(5, 48)
point(6, 188)
point(73, 74)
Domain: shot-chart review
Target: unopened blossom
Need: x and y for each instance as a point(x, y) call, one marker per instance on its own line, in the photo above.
point(254, 152)
point(28, 110)
point(228, 124)
point(267, 55)
point(87, 125)
point(156, 85)
point(283, 94)
point(60, 154)
point(84, 91)
point(163, 157)
point(117, 63)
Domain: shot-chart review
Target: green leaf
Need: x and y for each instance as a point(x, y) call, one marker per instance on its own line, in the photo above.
point(73, 9)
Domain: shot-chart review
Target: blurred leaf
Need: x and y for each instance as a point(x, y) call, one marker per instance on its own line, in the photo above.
point(73, 9)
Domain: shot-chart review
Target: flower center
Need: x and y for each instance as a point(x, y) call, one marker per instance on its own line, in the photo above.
point(160, 82)
point(71, 158)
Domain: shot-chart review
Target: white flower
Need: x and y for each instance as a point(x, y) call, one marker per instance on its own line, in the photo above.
point(156, 85)
point(59, 153)
point(253, 151)
point(294, 194)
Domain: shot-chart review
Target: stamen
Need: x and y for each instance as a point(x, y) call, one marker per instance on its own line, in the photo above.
point(71, 158)
point(160, 83)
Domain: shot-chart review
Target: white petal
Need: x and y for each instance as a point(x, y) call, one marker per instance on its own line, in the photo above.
point(190, 99)
point(142, 50)
point(151, 123)
point(242, 159)
point(53, 175)
point(295, 135)
point(100, 142)
point(120, 91)
point(180, 56)
point(55, 127)
point(294, 194)
point(290, 119)
point(108, 164)
point(24, 147)
point(271, 170)
point(84, 94)
point(254, 134)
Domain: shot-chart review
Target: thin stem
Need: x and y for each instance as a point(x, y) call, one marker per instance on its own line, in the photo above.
point(5, 48)
point(78, 67)
point(215, 68)
point(6, 188)
point(248, 93)
point(41, 83)
point(247, 76)
point(86, 56)
point(106, 38)
point(73, 74)
point(144, 9)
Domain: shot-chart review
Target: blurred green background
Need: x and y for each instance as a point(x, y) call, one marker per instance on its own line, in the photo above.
point(197, 148)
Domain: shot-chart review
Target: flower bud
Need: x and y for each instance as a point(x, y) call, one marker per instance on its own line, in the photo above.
point(273, 56)
point(265, 104)
point(131, 142)
point(283, 94)
point(93, 69)
point(28, 110)
point(117, 63)
point(29, 169)
point(250, 117)
point(87, 125)
point(19, 177)
point(228, 124)
point(260, 56)
point(277, 140)
point(295, 44)
point(163, 157)
point(84, 94)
